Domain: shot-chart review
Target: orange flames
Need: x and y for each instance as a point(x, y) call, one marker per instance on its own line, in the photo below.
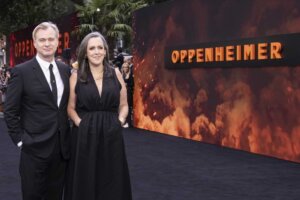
point(251, 109)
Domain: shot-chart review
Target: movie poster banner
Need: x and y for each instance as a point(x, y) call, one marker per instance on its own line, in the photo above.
point(221, 72)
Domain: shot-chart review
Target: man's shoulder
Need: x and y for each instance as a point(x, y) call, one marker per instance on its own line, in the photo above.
point(25, 64)
point(120, 55)
point(64, 66)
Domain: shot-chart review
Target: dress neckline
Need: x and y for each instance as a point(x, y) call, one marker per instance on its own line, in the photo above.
point(96, 87)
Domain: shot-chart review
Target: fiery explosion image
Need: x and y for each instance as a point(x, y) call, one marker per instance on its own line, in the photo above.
point(253, 109)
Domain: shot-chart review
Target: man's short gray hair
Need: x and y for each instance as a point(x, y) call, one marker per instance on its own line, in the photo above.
point(44, 26)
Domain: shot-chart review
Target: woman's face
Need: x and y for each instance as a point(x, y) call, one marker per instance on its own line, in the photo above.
point(95, 51)
point(125, 67)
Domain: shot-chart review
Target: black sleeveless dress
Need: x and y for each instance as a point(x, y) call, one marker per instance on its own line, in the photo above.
point(98, 167)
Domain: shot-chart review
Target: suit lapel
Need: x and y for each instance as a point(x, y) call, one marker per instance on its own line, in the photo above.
point(41, 77)
point(65, 78)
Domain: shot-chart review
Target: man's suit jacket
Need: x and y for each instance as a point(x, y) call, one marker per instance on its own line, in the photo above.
point(32, 115)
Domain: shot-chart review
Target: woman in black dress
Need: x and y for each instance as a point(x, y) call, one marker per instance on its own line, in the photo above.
point(98, 107)
point(128, 79)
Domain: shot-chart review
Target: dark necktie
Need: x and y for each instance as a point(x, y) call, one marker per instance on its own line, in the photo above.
point(53, 83)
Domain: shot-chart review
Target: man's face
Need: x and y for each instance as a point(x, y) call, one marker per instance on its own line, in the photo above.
point(46, 43)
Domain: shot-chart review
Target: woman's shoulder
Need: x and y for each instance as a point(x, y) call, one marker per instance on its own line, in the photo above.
point(109, 71)
point(74, 74)
point(110, 68)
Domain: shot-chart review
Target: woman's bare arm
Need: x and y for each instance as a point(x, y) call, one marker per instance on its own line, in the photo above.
point(72, 100)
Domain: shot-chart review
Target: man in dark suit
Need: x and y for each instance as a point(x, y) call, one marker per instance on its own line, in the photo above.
point(119, 60)
point(35, 112)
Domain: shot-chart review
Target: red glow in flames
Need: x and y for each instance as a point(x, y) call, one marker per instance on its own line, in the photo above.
point(252, 109)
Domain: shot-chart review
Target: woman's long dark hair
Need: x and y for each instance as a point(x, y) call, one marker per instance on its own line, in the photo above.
point(83, 64)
